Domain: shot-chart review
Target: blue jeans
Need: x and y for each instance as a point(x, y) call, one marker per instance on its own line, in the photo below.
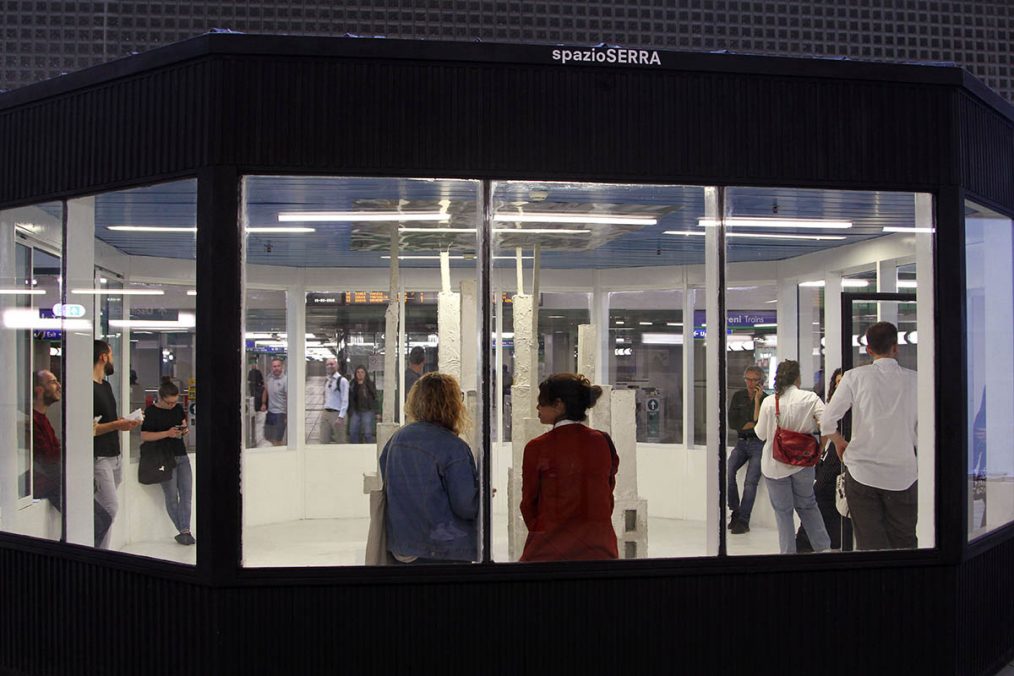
point(746, 451)
point(361, 422)
point(796, 491)
point(179, 492)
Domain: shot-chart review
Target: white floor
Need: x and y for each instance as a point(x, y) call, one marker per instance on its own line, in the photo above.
point(341, 542)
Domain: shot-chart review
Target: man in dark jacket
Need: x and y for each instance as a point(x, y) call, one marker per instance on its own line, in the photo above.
point(743, 411)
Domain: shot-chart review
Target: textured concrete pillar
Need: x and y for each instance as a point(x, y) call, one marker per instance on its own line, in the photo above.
point(449, 332)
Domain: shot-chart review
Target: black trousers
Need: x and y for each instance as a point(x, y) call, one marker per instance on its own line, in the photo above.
point(882, 519)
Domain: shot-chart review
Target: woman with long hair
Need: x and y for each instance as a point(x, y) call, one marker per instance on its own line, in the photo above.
point(165, 423)
point(362, 407)
point(568, 477)
point(791, 486)
point(430, 478)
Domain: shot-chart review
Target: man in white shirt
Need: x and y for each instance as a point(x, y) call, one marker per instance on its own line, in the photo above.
point(880, 481)
point(336, 404)
point(275, 401)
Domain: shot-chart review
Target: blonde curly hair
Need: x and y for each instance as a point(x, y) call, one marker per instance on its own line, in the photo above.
point(436, 398)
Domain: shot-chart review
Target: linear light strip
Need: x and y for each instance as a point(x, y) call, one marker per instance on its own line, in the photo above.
point(429, 258)
point(550, 217)
point(119, 292)
point(451, 230)
point(894, 228)
point(22, 292)
point(360, 216)
point(760, 235)
point(283, 229)
point(540, 231)
point(761, 222)
point(152, 228)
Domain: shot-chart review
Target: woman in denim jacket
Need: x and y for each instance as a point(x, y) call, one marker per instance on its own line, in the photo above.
point(430, 478)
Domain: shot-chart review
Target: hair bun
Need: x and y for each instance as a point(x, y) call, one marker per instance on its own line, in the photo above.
point(594, 392)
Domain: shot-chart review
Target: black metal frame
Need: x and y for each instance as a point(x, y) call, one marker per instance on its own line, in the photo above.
point(698, 119)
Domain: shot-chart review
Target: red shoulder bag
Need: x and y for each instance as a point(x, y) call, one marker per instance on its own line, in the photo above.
point(794, 448)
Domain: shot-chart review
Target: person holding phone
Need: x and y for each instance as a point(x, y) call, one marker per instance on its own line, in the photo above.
point(165, 422)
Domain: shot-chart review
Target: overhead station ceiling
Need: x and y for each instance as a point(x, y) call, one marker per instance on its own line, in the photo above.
point(571, 244)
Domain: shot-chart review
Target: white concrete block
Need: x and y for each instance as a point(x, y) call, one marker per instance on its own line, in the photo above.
point(600, 416)
point(624, 434)
point(469, 336)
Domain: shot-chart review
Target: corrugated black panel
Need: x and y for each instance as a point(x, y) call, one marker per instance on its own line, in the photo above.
point(987, 152)
point(537, 121)
point(67, 617)
point(125, 131)
point(350, 116)
point(985, 613)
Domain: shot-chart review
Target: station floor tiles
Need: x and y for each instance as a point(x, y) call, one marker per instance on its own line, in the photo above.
point(341, 542)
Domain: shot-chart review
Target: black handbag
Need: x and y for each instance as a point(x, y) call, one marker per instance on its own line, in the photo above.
point(157, 463)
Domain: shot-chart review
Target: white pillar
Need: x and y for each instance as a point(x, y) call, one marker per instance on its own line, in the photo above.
point(77, 375)
point(587, 351)
point(449, 332)
point(791, 325)
point(295, 365)
point(9, 413)
point(469, 336)
point(715, 332)
point(887, 282)
point(599, 317)
point(926, 364)
point(832, 324)
point(689, 302)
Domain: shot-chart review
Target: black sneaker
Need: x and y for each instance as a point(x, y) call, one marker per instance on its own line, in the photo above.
point(190, 539)
point(182, 538)
point(738, 527)
point(734, 518)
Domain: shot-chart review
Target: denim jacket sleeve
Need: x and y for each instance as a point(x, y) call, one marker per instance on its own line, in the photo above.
point(462, 484)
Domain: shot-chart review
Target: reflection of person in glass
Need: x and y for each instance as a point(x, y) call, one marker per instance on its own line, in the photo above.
point(978, 465)
point(165, 423)
point(416, 359)
point(362, 408)
point(108, 468)
point(336, 403)
point(791, 486)
point(430, 478)
point(275, 401)
point(568, 476)
point(743, 411)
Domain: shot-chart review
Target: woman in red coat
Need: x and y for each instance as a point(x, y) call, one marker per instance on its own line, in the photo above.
point(568, 477)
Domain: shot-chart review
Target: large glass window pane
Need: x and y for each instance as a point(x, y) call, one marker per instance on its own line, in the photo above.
point(348, 303)
point(795, 260)
point(989, 282)
point(555, 245)
point(31, 399)
point(130, 385)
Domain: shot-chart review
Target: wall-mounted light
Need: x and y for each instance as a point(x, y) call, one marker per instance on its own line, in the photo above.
point(119, 292)
point(540, 231)
point(893, 228)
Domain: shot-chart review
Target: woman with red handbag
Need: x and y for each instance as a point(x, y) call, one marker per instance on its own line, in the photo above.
point(787, 424)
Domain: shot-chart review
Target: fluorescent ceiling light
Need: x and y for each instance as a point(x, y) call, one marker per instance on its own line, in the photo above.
point(892, 228)
point(661, 338)
point(22, 292)
point(429, 257)
point(741, 288)
point(186, 320)
point(907, 284)
point(761, 222)
point(191, 292)
point(258, 334)
point(759, 235)
point(359, 216)
point(644, 323)
point(541, 231)
point(766, 325)
point(120, 292)
point(284, 229)
point(153, 228)
point(28, 318)
point(846, 283)
point(573, 218)
point(674, 323)
point(619, 323)
point(450, 230)
point(513, 258)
